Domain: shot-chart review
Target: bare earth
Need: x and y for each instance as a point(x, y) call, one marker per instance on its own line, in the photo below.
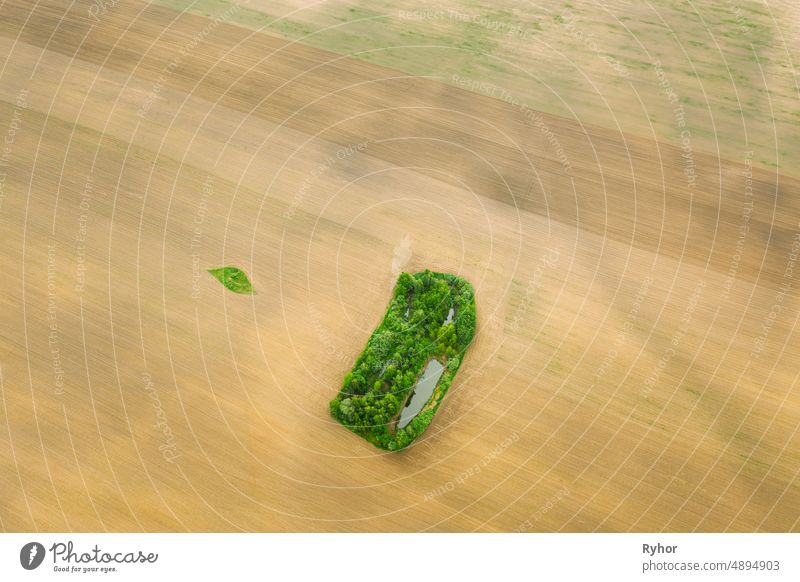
point(636, 362)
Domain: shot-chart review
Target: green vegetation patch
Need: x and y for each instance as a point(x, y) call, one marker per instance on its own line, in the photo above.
point(417, 328)
point(234, 279)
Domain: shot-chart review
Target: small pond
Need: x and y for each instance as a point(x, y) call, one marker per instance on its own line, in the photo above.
point(422, 392)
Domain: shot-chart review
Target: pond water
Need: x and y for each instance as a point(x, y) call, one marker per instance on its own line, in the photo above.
point(422, 392)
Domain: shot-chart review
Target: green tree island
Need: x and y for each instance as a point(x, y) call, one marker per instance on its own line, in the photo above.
point(431, 317)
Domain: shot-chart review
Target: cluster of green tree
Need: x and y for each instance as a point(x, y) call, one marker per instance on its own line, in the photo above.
point(414, 330)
